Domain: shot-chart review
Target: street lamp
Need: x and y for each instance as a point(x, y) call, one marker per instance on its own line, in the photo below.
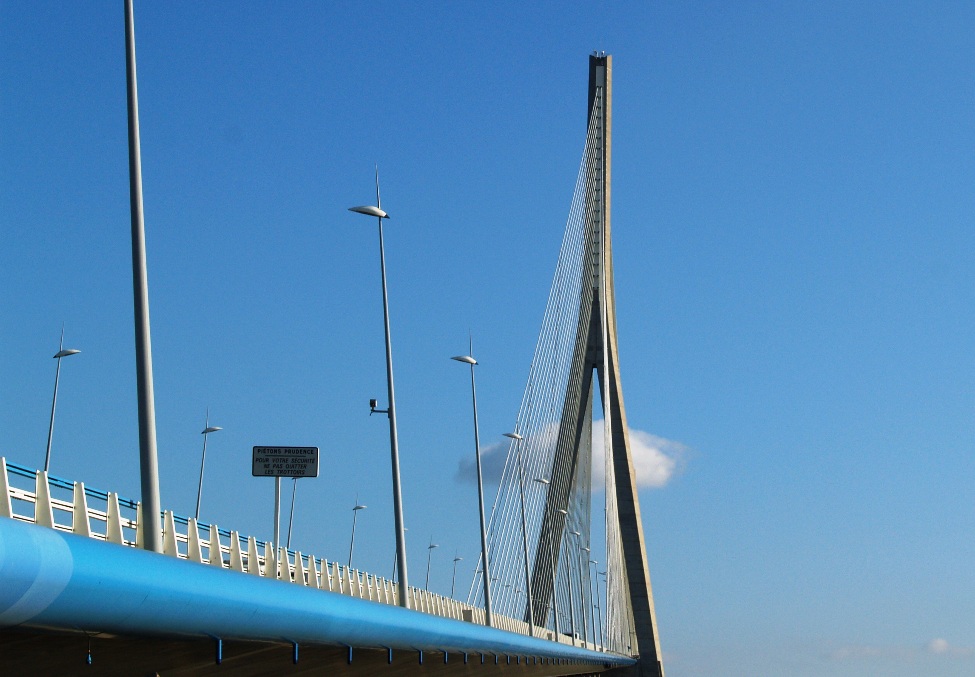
point(524, 532)
point(207, 429)
point(582, 592)
point(486, 577)
point(291, 517)
point(454, 577)
point(568, 579)
point(592, 604)
point(551, 553)
point(429, 554)
point(355, 512)
point(54, 402)
point(395, 558)
point(391, 410)
point(599, 613)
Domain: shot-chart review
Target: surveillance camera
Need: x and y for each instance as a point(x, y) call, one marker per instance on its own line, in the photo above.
point(373, 403)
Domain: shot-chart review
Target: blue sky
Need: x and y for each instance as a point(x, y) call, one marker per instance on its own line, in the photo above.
point(793, 232)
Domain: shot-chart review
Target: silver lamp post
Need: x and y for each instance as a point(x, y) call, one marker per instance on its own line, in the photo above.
point(555, 606)
point(148, 456)
point(395, 558)
point(453, 578)
point(568, 579)
point(207, 429)
point(54, 402)
point(355, 512)
point(599, 613)
point(291, 517)
point(582, 592)
point(486, 577)
point(430, 548)
point(592, 603)
point(524, 531)
point(391, 410)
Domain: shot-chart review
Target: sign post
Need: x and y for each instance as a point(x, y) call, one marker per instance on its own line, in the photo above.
point(278, 462)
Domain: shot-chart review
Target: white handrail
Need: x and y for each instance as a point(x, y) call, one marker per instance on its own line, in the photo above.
point(78, 517)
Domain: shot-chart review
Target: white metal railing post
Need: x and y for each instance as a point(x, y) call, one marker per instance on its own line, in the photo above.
point(6, 510)
point(304, 570)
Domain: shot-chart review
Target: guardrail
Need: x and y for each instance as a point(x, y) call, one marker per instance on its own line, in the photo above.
point(74, 508)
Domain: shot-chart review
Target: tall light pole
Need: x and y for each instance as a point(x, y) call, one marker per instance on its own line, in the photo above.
point(395, 558)
point(486, 577)
point(391, 409)
point(429, 554)
point(207, 429)
point(599, 613)
point(551, 552)
point(148, 458)
point(524, 531)
point(453, 578)
point(355, 511)
point(568, 579)
point(54, 401)
point(592, 603)
point(291, 517)
point(582, 592)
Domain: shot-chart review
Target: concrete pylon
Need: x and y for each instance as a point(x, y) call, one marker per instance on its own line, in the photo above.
point(596, 354)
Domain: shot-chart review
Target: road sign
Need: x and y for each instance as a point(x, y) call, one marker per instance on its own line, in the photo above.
point(285, 462)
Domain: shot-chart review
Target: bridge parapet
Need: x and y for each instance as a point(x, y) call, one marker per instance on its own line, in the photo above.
point(31, 496)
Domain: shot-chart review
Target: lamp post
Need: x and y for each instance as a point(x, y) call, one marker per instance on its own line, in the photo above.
point(355, 511)
point(207, 429)
point(430, 548)
point(291, 517)
point(551, 553)
point(148, 456)
point(54, 402)
point(391, 410)
point(582, 592)
point(486, 577)
point(599, 613)
point(453, 579)
point(592, 604)
point(568, 579)
point(524, 532)
point(605, 597)
point(395, 558)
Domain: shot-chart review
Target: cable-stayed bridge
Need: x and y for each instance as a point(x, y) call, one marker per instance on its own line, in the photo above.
point(89, 582)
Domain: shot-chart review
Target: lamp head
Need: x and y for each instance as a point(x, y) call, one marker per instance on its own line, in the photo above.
point(211, 429)
point(514, 436)
point(369, 210)
point(466, 359)
point(66, 352)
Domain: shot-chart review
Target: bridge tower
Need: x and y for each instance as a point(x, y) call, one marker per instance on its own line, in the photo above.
point(602, 353)
point(576, 354)
point(596, 354)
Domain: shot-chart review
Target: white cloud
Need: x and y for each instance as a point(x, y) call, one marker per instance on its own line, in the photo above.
point(492, 464)
point(936, 647)
point(854, 652)
point(942, 647)
point(656, 460)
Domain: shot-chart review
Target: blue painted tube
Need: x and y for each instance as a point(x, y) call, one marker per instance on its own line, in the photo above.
point(58, 580)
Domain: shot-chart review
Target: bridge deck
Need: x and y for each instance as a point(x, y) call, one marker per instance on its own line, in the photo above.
point(33, 652)
point(144, 611)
